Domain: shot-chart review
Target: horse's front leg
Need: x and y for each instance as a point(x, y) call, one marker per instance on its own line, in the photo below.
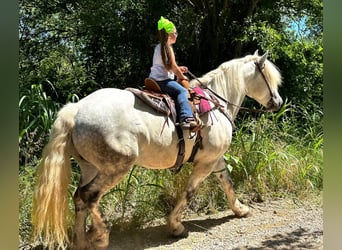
point(200, 172)
point(222, 174)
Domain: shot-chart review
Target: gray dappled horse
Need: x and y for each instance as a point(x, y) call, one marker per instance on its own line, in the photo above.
point(111, 130)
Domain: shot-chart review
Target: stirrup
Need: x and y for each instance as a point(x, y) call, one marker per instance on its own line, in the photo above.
point(193, 125)
point(188, 124)
point(199, 125)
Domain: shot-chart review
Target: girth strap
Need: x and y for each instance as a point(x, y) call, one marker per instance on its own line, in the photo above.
point(181, 151)
point(198, 145)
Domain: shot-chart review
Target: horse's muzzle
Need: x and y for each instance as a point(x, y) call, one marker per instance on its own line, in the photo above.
point(274, 104)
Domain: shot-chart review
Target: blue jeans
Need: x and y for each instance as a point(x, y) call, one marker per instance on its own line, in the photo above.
point(180, 95)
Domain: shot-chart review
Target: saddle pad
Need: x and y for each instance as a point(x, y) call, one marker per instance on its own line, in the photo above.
point(204, 105)
point(161, 103)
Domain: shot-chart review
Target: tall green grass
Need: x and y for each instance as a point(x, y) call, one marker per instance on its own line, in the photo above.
point(272, 155)
point(278, 154)
point(37, 112)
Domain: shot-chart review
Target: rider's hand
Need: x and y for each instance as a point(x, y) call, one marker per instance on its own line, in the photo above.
point(184, 69)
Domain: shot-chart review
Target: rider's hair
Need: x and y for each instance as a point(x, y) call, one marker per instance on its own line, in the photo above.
point(165, 49)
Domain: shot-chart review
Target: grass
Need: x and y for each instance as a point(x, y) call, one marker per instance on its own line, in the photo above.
point(26, 180)
point(270, 156)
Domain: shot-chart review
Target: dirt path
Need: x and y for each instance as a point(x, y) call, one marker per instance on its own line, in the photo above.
point(280, 224)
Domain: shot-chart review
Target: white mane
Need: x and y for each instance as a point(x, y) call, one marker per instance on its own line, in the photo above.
point(228, 78)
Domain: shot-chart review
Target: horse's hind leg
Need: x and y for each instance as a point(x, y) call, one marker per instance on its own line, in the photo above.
point(94, 184)
point(98, 234)
point(222, 174)
point(81, 207)
point(81, 210)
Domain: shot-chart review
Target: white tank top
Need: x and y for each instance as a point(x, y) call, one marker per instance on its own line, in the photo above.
point(158, 70)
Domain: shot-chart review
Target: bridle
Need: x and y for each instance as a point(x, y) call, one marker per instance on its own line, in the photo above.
point(271, 101)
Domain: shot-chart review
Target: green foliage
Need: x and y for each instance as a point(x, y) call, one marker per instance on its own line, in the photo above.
point(81, 46)
point(294, 40)
point(49, 50)
point(26, 185)
point(36, 114)
point(277, 155)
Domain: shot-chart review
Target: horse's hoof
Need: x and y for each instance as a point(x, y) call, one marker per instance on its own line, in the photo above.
point(245, 214)
point(178, 231)
point(241, 210)
point(98, 240)
point(182, 235)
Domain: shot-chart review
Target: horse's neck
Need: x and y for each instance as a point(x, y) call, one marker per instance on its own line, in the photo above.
point(233, 96)
point(234, 107)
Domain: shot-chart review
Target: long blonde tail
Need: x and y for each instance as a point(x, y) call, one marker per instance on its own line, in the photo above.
point(50, 203)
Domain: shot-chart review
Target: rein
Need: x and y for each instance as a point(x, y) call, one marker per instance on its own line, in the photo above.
point(235, 105)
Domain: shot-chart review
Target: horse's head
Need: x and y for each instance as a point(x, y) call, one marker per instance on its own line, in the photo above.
point(262, 80)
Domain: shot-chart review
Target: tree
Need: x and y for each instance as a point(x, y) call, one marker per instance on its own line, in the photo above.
point(111, 42)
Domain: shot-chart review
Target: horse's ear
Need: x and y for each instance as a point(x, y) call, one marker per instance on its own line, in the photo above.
point(263, 59)
point(256, 53)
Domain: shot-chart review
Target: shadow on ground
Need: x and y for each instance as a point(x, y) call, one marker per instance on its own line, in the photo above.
point(297, 239)
point(158, 235)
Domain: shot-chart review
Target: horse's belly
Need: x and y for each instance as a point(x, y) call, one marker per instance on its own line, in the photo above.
point(161, 157)
point(156, 162)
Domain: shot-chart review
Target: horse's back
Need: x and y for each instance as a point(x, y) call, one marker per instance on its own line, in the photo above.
point(105, 106)
point(106, 97)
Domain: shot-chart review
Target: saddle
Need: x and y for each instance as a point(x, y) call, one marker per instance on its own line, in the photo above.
point(160, 102)
point(164, 104)
point(152, 95)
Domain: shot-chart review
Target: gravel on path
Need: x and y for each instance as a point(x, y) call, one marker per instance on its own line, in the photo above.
point(276, 224)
